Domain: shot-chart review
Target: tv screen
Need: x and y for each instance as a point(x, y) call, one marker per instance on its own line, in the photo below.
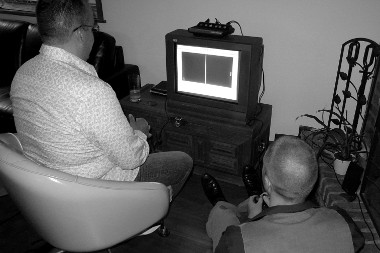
point(208, 72)
point(213, 76)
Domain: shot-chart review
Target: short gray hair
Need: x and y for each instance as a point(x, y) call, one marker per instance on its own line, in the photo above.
point(56, 18)
point(291, 166)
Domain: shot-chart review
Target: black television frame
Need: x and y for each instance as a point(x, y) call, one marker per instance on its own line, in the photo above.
point(249, 82)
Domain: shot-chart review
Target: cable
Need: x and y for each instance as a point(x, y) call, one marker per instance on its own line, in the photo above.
point(253, 139)
point(262, 72)
point(166, 106)
point(263, 91)
point(261, 126)
point(259, 109)
point(370, 230)
point(159, 137)
point(233, 21)
point(262, 53)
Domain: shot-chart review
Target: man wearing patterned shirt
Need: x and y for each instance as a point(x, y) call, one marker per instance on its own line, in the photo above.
point(70, 120)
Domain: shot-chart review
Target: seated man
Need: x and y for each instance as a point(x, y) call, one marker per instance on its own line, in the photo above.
point(289, 223)
point(70, 120)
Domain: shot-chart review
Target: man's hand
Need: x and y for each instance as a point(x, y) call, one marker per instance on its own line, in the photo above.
point(243, 206)
point(255, 205)
point(139, 124)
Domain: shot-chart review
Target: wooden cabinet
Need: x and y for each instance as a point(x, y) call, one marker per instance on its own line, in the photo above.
point(213, 145)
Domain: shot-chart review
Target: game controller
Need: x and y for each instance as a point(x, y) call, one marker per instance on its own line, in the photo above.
point(216, 29)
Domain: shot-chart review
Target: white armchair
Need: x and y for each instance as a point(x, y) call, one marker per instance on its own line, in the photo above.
point(74, 213)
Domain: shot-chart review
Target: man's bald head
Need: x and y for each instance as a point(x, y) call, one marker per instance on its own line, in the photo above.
point(292, 168)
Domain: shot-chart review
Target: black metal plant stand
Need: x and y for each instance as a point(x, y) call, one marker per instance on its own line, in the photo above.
point(357, 63)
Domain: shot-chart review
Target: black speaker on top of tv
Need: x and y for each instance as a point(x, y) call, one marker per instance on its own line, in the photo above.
point(352, 178)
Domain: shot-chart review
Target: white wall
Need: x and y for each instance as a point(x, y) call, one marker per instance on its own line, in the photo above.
point(302, 40)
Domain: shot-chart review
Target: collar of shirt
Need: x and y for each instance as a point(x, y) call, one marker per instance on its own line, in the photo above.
point(62, 55)
point(285, 209)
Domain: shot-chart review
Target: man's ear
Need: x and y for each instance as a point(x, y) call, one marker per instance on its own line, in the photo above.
point(81, 36)
point(267, 184)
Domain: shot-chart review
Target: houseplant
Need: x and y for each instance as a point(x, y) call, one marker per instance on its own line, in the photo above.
point(342, 144)
point(355, 68)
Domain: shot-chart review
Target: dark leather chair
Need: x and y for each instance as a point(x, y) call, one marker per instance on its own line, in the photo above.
point(12, 36)
point(20, 41)
point(108, 60)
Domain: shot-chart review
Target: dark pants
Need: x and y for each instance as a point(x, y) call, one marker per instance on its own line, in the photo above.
point(170, 168)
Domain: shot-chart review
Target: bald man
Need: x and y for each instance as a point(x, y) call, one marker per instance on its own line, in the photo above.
point(290, 223)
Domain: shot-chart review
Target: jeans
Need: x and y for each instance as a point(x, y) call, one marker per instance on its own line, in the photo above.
point(169, 168)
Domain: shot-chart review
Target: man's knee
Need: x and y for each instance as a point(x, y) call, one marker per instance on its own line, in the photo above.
point(186, 163)
point(180, 160)
point(185, 159)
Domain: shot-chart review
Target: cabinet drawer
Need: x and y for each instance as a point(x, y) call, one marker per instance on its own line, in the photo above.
point(223, 163)
point(222, 149)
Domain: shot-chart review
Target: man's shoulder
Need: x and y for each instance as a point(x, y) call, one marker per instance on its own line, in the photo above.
point(320, 218)
point(324, 210)
point(326, 213)
point(316, 228)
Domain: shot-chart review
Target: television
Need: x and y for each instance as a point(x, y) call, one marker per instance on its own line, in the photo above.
point(214, 78)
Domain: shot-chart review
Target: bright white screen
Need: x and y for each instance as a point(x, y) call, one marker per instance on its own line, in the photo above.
point(207, 72)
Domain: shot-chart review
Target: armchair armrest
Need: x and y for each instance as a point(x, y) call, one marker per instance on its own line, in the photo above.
point(119, 79)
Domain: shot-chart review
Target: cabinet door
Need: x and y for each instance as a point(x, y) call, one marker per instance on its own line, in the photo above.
point(179, 142)
point(201, 151)
point(223, 157)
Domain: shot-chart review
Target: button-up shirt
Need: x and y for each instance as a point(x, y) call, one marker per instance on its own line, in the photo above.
point(70, 120)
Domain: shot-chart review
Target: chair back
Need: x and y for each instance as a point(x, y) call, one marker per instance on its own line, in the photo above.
point(75, 213)
point(12, 34)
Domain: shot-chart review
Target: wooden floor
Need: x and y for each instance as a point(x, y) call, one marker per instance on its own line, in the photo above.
point(186, 222)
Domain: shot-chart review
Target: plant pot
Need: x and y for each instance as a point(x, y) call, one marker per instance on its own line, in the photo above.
point(341, 165)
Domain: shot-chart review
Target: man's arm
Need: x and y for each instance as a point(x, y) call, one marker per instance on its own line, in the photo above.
point(139, 124)
point(107, 127)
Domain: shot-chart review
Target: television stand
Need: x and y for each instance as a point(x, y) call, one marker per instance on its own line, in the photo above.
point(224, 147)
